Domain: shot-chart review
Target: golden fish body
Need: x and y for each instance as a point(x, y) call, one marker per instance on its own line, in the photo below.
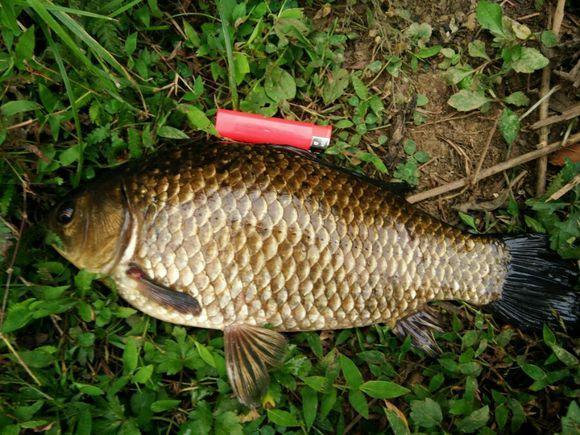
point(262, 236)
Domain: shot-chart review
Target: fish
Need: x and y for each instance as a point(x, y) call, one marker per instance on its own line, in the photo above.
point(258, 241)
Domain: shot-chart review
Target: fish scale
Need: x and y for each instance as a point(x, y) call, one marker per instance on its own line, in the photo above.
point(263, 236)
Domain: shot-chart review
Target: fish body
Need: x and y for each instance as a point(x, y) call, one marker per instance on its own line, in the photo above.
point(262, 236)
point(223, 235)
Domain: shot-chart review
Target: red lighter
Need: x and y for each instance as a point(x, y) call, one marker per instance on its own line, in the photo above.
point(251, 128)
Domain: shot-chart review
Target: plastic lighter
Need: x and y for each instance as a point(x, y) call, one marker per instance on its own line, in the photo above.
point(251, 128)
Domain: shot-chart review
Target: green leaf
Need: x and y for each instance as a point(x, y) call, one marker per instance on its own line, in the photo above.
point(474, 421)
point(359, 402)
point(398, 425)
point(171, 133)
point(427, 52)
point(317, 383)
point(130, 355)
point(164, 405)
point(518, 98)
point(25, 46)
point(409, 147)
point(359, 87)
point(383, 389)
point(465, 101)
point(309, 405)
point(421, 157)
point(422, 100)
point(529, 61)
point(205, 354)
point(489, 16)
point(191, 34)
point(457, 73)
point(426, 413)
point(279, 85)
point(12, 108)
point(468, 220)
point(350, 372)
point(241, 67)
point(549, 38)
point(131, 44)
point(477, 49)
point(533, 371)
point(509, 125)
point(197, 118)
point(343, 123)
point(70, 155)
point(143, 374)
point(90, 390)
point(563, 355)
point(282, 418)
point(335, 85)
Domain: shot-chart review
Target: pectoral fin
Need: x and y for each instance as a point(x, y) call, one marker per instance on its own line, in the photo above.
point(250, 350)
point(162, 295)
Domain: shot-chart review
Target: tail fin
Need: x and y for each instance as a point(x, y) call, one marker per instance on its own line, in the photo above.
point(539, 287)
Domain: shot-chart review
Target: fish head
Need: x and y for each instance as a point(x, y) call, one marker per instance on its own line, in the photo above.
point(92, 227)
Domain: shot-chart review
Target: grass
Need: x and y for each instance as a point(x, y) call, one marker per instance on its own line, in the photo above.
point(89, 84)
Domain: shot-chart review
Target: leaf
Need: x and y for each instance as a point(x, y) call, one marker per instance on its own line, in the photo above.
point(474, 421)
point(343, 123)
point(350, 372)
point(477, 49)
point(143, 374)
point(335, 85)
point(457, 73)
point(426, 413)
point(563, 355)
point(171, 133)
point(383, 389)
point(12, 108)
point(427, 52)
point(317, 383)
point(205, 354)
point(359, 87)
point(422, 100)
point(489, 16)
point(131, 44)
point(509, 125)
point(398, 425)
point(130, 355)
point(529, 61)
point(282, 418)
point(533, 371)
point(70, 155)
point(279, 85)
point(90, 390)
point(359, 402)
point(468, 220)
point(410, 147)
point(549, 38)
point(25, 47)
point(197, 118)
point(241, 67)
point(465, 101)
point(518, 98)
point(309, 406)
point(164, 405)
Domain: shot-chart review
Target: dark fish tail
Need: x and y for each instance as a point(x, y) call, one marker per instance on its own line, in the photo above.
point(539, 287)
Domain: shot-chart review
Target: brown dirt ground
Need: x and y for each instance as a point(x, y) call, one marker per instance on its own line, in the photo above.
point(455, 141)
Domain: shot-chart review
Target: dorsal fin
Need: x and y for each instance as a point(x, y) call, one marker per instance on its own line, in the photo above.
point(398, 188)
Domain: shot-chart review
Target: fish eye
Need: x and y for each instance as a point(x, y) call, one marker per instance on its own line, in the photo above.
point(65, 213)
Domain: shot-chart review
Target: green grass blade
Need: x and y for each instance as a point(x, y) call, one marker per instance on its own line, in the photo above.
point(45, 15)
point(124, 8)
point(72, 11)
point(229, 54)
point(73, 105)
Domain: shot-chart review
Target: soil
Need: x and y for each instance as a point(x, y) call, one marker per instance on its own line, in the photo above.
point(455, 141)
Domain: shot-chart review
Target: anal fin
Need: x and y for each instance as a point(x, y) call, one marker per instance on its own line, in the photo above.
point(163, 295)
point(250, 351)
point(420, 326)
